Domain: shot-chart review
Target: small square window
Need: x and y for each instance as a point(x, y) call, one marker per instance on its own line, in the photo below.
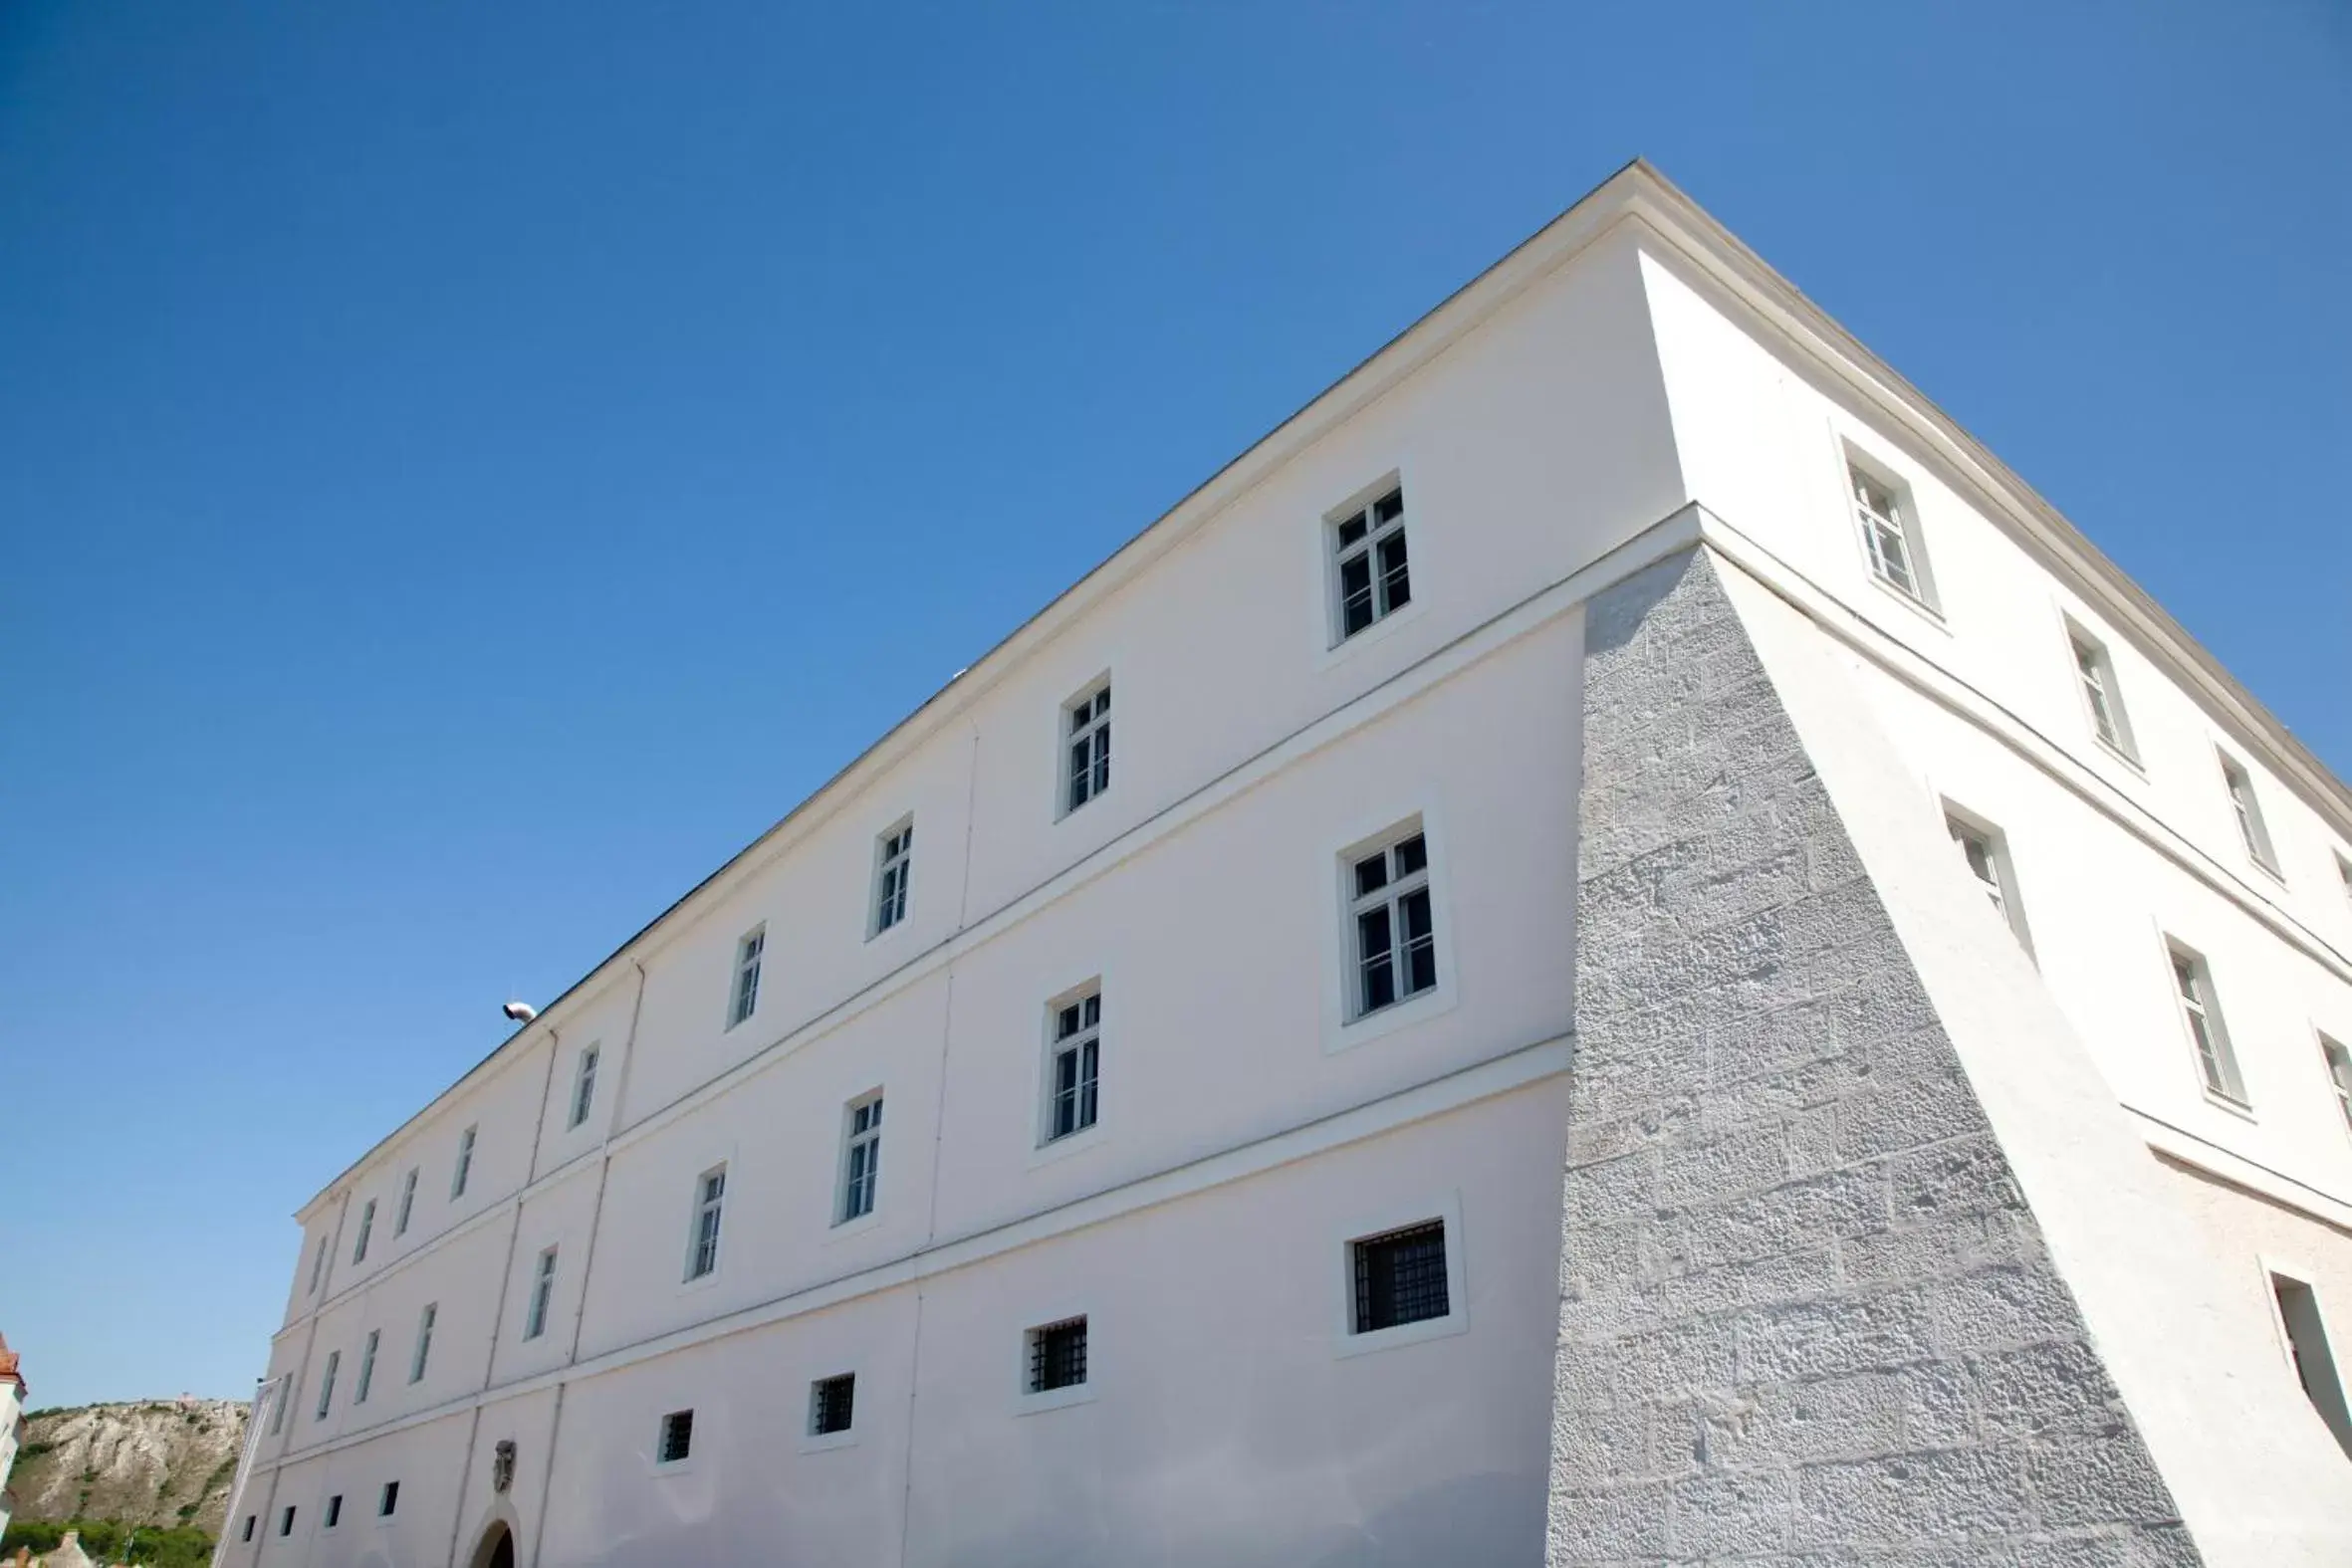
point(1983, 849)
point(584, 1085)
point(678, 1437)
point(387, 1499)
point(1400, 1277)
point(2217, 1062)
point(1890, 535)
point(894, 869)
point(1074, 1063)
point(2102, 694)
point(746, 996)
point(2251, 829)
point(832, 1404)
point(1057, 1355)
point(861, 1158)
point(702, 1244)
point(1085, 750)
point(1392, 929)
point(1370, 573)
point(335, 1510)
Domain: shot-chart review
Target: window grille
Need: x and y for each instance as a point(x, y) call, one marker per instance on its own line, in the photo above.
point(831, 1404)
point(677, 1436)
point(1374, 577)
point(1088, 752)
point(1077, 1037)
point(1057, 1355)
point(861, 1158)
point(1400, 1277)
point(894, 869)
point(1395, 932)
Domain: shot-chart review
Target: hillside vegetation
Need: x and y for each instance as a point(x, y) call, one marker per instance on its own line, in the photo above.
point(160, 1464)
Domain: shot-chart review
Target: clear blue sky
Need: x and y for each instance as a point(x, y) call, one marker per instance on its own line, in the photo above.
point(465, 470)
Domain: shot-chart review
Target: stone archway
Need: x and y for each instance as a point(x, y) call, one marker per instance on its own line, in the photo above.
point(497, 1548)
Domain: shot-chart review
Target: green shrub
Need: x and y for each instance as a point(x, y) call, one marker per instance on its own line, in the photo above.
point(184, 1546)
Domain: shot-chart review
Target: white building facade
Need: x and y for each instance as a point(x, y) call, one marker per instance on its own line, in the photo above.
point(1667, 966)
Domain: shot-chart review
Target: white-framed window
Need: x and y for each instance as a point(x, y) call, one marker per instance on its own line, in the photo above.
point(1392, 925)
point(1370, 577)
point(745, 998)
point(1890, 534)
point(584, 1086)
point(832, 1405)
point(894, 869)
point(702, 1240)
point(861, 1157)
point(401, 1216)
point(2308, 1352)
point(335, 1510)
point(1984, 850)
point(675, 1441)
point(367, 1228)
point(1073, 1062)
point(387, 1499)
point(366, 1378)
point(1057, 1356)
point(327, 1386)
point(1085, 745)
point(543, 1295)
point(424, 1341)
point(2248, 811)
point(2200, 1014)
point(280, 1398)
point(2102, 693)
point(318, 1267)
point(2344, 875)
point(1401, 1276)
point(465, 1162)
point(2339, 1075)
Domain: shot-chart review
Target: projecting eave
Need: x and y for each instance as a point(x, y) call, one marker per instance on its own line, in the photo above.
point(1772, 306)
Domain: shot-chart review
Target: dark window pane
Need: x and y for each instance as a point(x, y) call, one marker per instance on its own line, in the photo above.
point(1396, 588)
point(1400, 1277)
point(1355, 595)
point(1057, 1356)
point(1388, 507)
point(1351, 531)
point(1420, 942)
point(1411, 856)
point(1371, 874)
point(1068, 1023)
point(1379, 977)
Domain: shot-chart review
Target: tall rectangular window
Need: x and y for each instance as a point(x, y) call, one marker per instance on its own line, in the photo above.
point(387, 1499)
point(2314, 1362)
point(408, 1203)
point(465, 1162)
point(424, 1341)
point(676, 1441)
point(335, 1510)
point(2102, 696)
point(746, 998)
point(543, 1295)
point(1400, 1276)
point(1393, 933)
point(1985, 853)
point(326, 1385)
point(702, 1246)
point(2216, 1063)
point(894, 869)
point(280, 1397)
point(861, 1157)
point(318, 1265)
point(1057, 1355)
point(367, 1376)
point(246, 1534)
point(1370, 571)
point(2248, 811)
point(831, 1404)
point(1074, 1065)
point(1890, 536)
point(584, 1086)
point(2339, 1075)
point(286, 1520)
point(367, 1227)
point(1086, 747)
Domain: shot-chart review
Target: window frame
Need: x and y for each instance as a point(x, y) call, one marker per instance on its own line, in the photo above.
point(701, 1200)
point(333, 1513)
point(463, 1171)
point(2300, 1278)
point(663, 1463)
point(1372, 1225)
point(2207, 1009)
point(366, 1379)
point(318, 1263)
point(2010, 906)
point(326, 1404)
point(2253, 828)
point(543, 1293)
point(387, 1501)
point(584, 1085)
point(246, 1534)
point(2332, 1052)
point(899, 900)
point(814, 1441)
point(1032, 1400)
point(1055, 1047)
point(1357, 1020)
point(854, 1140)
point(2081, 640)
point(743, 983)
point(1068, 733)
point(1921, 594)
point(1335, 557)
point(407, 1206)
point(367, 1232)
point(286, 1521)
point(420, 1359)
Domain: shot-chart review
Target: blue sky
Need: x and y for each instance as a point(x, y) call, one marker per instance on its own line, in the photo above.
point(466, 470)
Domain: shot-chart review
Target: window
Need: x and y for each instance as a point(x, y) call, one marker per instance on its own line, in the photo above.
point(861, 1158)
point(542, 1292)
point(407, 1203)
point(387, 1499)
point(366, 1225)
point(831, 1402)
point(1889, 536)
point(1400, 1277)
point(895, 868)
point(327, 1386)
point(677, 1438)
point(465, 1163)
point(1057, 1355)
point(335, 1510)
point(318, 1265)
point(2251, 827)
point(1087, 723)
point(286, 1520)
point(424, 1341)
point(1985, 852)
point(2216, 1063)
point(1076, 1060)
point(2307, 1349)
point(246, 1534)
point(2102, 698)
point(280, 1398)
point(702, 1247)
point(2339, 1075)
point(584, 1085)
point(747, 976)
point(1368, 554)
point(366, 1367)
point(2344, 874)
point(1394, 933)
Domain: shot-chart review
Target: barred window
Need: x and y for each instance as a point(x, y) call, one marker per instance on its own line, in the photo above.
point(1057, 1355)
point(1086, 723)
point(1076, 1063)
point(1400, 1276)
point(832, 1402)
point(1373, 577)
point(678, 1437)
point(1394, 932)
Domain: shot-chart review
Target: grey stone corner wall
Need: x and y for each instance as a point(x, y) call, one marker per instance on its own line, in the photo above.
point(1805, 1315)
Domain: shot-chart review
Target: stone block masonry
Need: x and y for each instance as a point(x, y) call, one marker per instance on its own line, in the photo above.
point(1806, 1315)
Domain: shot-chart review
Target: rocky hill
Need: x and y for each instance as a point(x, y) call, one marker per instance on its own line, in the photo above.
point(162, 1463)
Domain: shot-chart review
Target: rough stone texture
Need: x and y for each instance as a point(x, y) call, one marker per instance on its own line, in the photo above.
point(1807, 1316)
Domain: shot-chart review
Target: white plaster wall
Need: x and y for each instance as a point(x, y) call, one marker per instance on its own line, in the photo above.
point(426, 1460)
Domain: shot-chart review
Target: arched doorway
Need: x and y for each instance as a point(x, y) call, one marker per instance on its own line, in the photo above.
point(497, 1549)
